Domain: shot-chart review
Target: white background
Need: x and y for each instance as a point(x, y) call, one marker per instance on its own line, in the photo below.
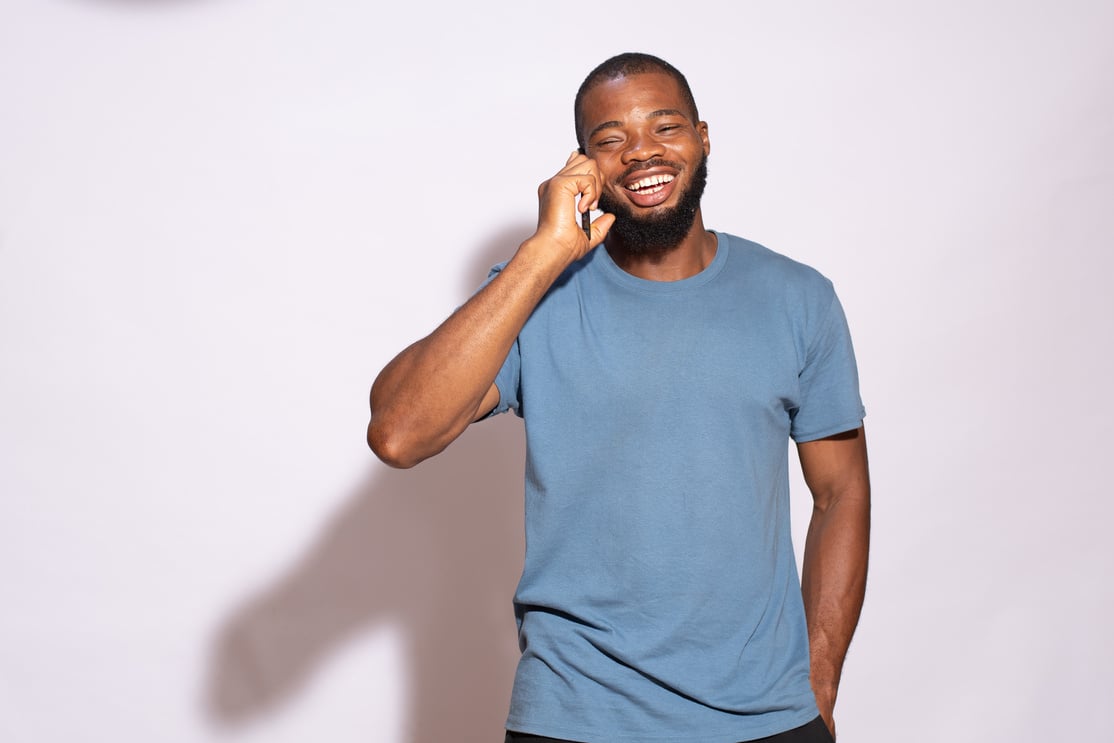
point(220, 218)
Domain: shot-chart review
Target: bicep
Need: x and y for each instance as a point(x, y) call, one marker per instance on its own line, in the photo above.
point(487, 404)
point(835, 466)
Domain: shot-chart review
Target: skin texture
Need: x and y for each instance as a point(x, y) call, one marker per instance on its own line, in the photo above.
point(424, 398)
point(833, 579)
point(631, 123)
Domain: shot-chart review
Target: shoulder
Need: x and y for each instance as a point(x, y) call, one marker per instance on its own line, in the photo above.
point(575, 269)
point(775, 270)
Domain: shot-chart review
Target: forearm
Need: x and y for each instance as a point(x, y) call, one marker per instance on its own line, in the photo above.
point(833, 583)
point(429, 393)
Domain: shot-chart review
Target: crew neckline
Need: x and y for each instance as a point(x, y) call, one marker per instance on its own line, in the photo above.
point(719, 260)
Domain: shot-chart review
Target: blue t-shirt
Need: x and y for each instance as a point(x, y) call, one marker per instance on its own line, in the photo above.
point(659, 599)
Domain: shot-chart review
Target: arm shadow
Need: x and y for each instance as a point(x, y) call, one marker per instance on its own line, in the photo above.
point(436, 549)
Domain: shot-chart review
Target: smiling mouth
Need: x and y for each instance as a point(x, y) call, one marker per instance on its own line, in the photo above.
point(649, 185)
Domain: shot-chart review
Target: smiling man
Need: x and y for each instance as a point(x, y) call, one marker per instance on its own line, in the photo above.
point(661, 369)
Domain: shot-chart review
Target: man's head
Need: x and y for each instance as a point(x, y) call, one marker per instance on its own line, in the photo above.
point(636, 117)
point(629, 64)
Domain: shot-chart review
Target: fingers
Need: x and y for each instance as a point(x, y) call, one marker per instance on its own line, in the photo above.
point(600, 227)
point(565, 200)
point(580, 177)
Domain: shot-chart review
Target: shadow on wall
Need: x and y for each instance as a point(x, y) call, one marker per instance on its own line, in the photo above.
point(437, 549)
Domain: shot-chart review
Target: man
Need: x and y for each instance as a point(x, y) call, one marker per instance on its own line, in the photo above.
point(660, 379)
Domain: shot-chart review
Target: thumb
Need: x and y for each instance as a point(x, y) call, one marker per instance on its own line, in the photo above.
point(600, 227)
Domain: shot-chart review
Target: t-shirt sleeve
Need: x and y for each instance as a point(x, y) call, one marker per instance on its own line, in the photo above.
point(507, 380)
point(829, 401)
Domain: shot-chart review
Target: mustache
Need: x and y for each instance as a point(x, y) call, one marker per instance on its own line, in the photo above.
point(656, 162)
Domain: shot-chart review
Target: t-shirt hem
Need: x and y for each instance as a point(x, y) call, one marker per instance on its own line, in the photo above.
point(847, 424)
point(506, 401)
point(727, 736)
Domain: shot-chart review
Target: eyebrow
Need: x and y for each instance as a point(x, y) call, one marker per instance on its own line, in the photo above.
point(651, 115)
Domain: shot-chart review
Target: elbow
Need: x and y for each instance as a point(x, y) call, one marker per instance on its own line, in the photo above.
point(389, 447)
point(398, 443)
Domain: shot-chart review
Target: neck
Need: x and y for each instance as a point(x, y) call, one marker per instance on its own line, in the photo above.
point(687, 258)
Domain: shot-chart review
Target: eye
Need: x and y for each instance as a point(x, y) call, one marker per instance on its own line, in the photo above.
point(607, 143)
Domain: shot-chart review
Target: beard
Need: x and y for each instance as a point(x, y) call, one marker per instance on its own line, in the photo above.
point(656, 234)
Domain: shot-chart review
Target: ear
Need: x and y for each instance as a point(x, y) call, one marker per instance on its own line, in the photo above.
point(702, 130)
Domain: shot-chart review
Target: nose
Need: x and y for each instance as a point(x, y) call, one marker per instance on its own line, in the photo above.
point(640, 147)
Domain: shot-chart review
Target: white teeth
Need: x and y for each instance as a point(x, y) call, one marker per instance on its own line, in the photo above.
point(648, 181)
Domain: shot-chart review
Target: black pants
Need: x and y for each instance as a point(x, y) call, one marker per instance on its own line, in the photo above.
point(812, 732)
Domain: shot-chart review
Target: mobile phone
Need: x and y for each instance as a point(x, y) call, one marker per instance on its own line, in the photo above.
point(586, 217)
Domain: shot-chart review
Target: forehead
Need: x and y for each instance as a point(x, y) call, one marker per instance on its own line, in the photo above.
point(633, 97)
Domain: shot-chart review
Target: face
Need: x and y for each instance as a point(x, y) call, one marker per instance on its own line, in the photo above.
point(652, 156)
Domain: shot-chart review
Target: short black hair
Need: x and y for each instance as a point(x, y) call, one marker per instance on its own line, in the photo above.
point(626, 65)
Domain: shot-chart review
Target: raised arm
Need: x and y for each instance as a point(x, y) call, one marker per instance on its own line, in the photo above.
point(428, 394)
point(833, 581)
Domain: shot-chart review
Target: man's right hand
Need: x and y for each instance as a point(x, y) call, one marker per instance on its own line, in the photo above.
point(559, 228)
